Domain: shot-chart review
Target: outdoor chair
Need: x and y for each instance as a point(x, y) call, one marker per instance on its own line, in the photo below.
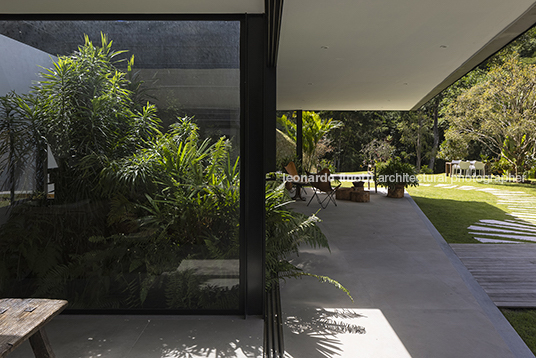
point(455, 165)
point(463, 168)
point(472, 167)
point(480, 168)
point(319, 185)
point(298, 184)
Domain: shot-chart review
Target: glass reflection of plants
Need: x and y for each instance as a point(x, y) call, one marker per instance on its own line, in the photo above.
point(130, 203)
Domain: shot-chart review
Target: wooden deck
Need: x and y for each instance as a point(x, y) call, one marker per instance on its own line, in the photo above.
point(507, 272)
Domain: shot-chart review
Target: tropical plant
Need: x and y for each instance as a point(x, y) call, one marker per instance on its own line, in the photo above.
point(314, 136)
point(88, 116)
point(394, 172)
point(286, 231)
point(23, 149)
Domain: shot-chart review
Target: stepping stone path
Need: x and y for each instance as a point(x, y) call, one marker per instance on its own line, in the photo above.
point(520, 229)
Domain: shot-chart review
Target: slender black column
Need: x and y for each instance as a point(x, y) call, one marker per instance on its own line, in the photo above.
point(252, 165)
point(270, 121)
point(299, 142)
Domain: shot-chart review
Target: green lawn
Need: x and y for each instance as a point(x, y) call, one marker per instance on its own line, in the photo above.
point(453, 210)
point(524, 322)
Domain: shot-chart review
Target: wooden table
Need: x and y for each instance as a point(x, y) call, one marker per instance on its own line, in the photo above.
point(22, 319)
point(448, 168)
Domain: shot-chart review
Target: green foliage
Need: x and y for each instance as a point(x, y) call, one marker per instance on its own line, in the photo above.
point(314, 136)
point(377, 151)
point(186, 290)
point(415, 131)
point(499, 112)
point(426, 170)
point(194, 188)
point(131, 203)
point(395, 172)
point(286, 231)
point(22, 143)
point(286, 149)
point(455, 146)
point(501, 167)
point(87, 115)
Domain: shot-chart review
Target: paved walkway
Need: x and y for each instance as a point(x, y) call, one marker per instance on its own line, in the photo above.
point(413, 297)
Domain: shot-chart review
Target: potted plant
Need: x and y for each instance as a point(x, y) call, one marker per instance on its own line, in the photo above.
point(396, 175)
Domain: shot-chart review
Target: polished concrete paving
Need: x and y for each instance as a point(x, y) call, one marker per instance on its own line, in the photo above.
point(412, 296)
point(88, 336)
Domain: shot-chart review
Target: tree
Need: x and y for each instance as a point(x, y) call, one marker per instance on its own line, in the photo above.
point(499, 112)
point(377, 151)
point(360, 128)
point(415, 132)
point(88, 116)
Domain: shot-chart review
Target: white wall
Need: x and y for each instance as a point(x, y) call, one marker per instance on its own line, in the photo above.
point(19, 68)
point(19, 65)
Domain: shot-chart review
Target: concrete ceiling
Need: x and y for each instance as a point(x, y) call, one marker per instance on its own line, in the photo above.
point(132, 6)
point(348, 54)
point(386, 54)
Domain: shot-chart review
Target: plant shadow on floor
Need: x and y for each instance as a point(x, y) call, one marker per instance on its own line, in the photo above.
point(452, 217)
point(321, 326)
point(206, 339)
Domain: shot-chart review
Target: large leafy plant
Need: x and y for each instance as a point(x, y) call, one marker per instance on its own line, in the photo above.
point(314, 136)
point(286, 232)
point(88, 116)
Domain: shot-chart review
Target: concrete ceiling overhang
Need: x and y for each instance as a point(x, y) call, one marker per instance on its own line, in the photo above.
point(132, 7)
point(387, 54)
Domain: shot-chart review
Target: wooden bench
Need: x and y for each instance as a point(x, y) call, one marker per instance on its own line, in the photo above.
point(22, 319)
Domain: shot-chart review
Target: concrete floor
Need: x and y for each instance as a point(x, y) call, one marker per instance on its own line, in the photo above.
point(413, 298)
point(75, 336)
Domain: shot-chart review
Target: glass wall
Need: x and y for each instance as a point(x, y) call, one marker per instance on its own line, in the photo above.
point(120, 163)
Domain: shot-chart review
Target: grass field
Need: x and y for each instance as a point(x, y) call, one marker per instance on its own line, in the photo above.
point(453, 210)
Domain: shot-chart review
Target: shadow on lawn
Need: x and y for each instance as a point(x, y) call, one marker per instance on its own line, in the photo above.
point(452, 217)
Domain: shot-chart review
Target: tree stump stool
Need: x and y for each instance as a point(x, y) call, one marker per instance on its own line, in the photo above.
point(360, 196)
point(343, 193)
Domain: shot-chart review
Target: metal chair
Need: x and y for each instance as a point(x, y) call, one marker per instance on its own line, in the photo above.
point(321, 183)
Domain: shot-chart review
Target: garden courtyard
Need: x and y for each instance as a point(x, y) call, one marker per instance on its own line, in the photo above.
point(412, 296)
